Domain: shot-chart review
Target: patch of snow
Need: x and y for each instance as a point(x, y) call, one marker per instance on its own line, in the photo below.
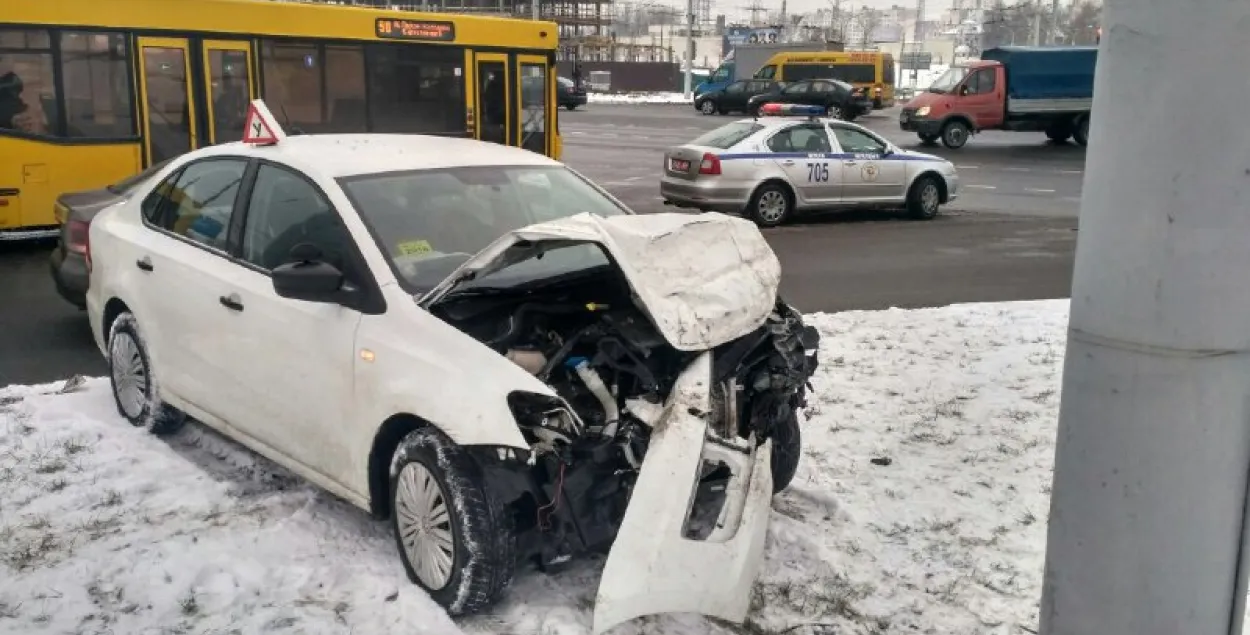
point(638, 98)
point(920, 506)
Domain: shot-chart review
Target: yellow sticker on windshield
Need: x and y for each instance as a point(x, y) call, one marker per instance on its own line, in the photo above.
point(414, 247)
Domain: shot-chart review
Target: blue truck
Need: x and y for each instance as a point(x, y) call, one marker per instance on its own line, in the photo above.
point(1019, 88)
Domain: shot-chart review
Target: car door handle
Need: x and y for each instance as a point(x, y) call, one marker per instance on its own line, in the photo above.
point(787, 162)
point(144, 263)
point(231, 302)
point(849, 163)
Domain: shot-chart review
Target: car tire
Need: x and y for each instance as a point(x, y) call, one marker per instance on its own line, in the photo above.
point(707, 107)
point(1081, 132)
point(955, 134)
point(786, 451)
point(770, 205)
point(433, 478)
point(924, 198)
point(571, 107)
point(836, 112)
point(134, 384)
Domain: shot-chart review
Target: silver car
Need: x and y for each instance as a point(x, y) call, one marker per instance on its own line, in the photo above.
point(772, 167)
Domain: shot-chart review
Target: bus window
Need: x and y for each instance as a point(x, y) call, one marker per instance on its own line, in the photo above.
point(534, 107)
point(887, 71)
point(345, 88)
point(27, 92)
point(292, 84)
point(96, 78)
point(492, 86)
point(228, 77)
point(416, 89)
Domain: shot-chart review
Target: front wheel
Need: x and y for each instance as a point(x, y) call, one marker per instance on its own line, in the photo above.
point(787, 449)
point(836, 112)
point(1081, 135)
point(955, 134)
point(134, 385)
point(707, 107)
point(456, 541)
point(924, 198)
point(571, 107)
point(771, 205)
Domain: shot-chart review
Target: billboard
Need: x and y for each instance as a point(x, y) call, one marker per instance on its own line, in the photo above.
point(735, 35)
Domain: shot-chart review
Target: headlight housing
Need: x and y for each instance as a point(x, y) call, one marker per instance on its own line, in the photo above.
point(923, 111)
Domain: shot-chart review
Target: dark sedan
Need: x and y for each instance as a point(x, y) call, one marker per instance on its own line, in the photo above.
point(74, 212)
point(840, 99)
point(568, 94)
point(735, 96)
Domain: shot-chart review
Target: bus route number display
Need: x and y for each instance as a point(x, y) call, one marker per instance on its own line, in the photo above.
point(396, 29)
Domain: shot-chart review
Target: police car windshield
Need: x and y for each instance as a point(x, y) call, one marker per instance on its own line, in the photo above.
point(728, 135)
point(429, 222)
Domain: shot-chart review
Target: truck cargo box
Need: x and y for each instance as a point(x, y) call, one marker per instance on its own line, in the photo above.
point(1046, 73)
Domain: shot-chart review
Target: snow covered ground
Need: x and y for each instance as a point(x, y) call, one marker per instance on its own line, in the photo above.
point(920, 507)
point(638, 98)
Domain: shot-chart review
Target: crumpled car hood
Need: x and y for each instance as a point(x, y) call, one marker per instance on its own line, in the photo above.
point(703, 279)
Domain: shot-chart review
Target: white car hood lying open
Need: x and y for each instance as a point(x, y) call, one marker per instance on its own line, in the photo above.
point(703, 279)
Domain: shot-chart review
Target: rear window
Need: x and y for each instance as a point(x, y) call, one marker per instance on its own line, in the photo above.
point(728, 135)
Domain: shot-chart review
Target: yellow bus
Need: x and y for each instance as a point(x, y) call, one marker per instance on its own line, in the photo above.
point(92, 91)
point(871, 70)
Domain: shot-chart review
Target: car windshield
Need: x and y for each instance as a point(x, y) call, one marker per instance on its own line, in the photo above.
point(125, 185)
point(948, 80)
point(429, 222)
point(728, 135)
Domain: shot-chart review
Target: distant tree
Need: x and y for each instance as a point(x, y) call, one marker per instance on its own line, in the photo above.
point(869, 20)
point(1082, 23)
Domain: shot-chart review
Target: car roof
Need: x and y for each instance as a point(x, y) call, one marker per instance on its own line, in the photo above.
point(341, 155)
point(777, 122)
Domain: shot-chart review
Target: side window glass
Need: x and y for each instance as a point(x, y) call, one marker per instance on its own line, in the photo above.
point(984, 82)
point(856, 142)
point(200, 202)
point(158, 199)
point(803, 138)
point(768, 72)
point(796, 89)
point(735, 87)
point(286, 210)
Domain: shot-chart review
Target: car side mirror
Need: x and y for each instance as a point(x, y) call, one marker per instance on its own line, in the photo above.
point(308, 277)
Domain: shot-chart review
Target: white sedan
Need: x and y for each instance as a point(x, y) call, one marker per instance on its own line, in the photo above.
point(472, 341)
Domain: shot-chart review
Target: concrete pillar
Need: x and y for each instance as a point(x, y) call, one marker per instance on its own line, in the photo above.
point(1147, 518)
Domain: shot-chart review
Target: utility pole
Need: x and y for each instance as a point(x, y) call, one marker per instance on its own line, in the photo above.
point(689, 47)
point(536, 9)
point(1148, 525)
point(1054, 22)
point(1037, 23)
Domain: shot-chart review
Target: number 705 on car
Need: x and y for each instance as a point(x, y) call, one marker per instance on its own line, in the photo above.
point(817, 171)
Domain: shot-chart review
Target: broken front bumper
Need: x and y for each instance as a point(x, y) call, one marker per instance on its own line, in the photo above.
point(653, 567)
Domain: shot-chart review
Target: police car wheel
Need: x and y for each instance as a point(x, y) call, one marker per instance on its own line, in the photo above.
point(770, 206)
point(707, 107)
point(924, 198)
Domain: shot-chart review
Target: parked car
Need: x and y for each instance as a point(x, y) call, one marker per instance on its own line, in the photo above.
point(839, 99)
point(568, 94)
point(74, 211)
point(474, 343)
point(734, 96)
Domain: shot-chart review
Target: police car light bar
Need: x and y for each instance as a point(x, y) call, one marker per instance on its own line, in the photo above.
point(791, 110)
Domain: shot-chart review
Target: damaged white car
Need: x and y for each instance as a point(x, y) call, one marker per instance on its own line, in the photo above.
point(476, 343)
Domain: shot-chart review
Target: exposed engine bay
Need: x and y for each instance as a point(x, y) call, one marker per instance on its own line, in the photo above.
point(589, 341)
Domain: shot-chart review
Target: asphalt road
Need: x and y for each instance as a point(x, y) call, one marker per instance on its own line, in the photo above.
point(1010, 239)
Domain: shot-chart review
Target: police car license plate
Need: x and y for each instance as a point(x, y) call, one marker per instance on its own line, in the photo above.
point(679, 165)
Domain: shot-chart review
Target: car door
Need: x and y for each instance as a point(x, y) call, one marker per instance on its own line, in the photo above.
point(189, 215)
point(735, 96)
point(981, 97)
point(868, 174)
point(293, 361)
point(802, 152)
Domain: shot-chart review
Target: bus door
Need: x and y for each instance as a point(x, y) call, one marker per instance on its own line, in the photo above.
point(228, 89)
point(494, 98)
point(534, 85)
point(166, 104)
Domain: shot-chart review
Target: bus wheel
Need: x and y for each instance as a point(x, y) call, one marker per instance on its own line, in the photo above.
point(955, 134)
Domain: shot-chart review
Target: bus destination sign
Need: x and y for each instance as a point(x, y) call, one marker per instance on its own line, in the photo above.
point(396, 29)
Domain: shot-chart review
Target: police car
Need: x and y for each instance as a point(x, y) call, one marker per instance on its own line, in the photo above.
point(427, 328)
point(792, 159)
